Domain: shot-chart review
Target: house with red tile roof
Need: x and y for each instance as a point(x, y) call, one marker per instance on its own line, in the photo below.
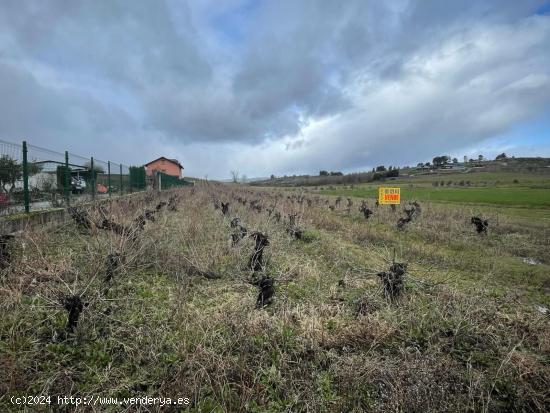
point(166, 165)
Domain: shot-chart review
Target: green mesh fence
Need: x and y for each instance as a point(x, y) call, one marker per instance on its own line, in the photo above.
point(169, 181)
point(34, 178)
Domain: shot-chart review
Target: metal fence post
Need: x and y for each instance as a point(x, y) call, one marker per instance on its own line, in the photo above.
point(109, 177)
point(67, 182)
point(26, 179)
point(93, 176)
point(130, 179)
point(121, 179)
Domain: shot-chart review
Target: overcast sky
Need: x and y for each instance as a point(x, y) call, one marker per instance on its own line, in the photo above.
point(276, 87)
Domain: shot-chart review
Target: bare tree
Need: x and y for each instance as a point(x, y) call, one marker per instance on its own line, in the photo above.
point(235, 176)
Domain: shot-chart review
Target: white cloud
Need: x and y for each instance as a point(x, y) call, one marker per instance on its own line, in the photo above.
point(447, 98)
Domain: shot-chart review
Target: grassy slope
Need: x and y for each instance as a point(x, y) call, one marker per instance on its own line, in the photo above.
point(493, 178)
point(502, 196)
point(465, 336)
point(496, 192)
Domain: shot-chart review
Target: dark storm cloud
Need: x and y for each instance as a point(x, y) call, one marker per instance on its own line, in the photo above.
point(30, 110)
point(138, 44)
point(280, 86)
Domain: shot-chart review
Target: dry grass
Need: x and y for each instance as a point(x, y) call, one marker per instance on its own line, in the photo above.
point(178, 317)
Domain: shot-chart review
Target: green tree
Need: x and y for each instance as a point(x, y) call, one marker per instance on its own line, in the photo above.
point(11, 171)
point(440, 160)
point(393, 173)
point(98, 169)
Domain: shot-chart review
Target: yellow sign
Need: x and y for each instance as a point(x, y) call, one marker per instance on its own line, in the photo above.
point(388, 196)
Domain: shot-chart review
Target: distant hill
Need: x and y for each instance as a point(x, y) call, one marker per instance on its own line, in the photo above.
point(520, 165)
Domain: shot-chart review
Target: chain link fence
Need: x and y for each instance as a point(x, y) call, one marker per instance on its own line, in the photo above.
point(34, 178)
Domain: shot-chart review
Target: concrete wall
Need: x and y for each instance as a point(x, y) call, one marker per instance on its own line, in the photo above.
point(48, 217)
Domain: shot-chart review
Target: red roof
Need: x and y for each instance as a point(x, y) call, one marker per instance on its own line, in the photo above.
point(175, 161)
